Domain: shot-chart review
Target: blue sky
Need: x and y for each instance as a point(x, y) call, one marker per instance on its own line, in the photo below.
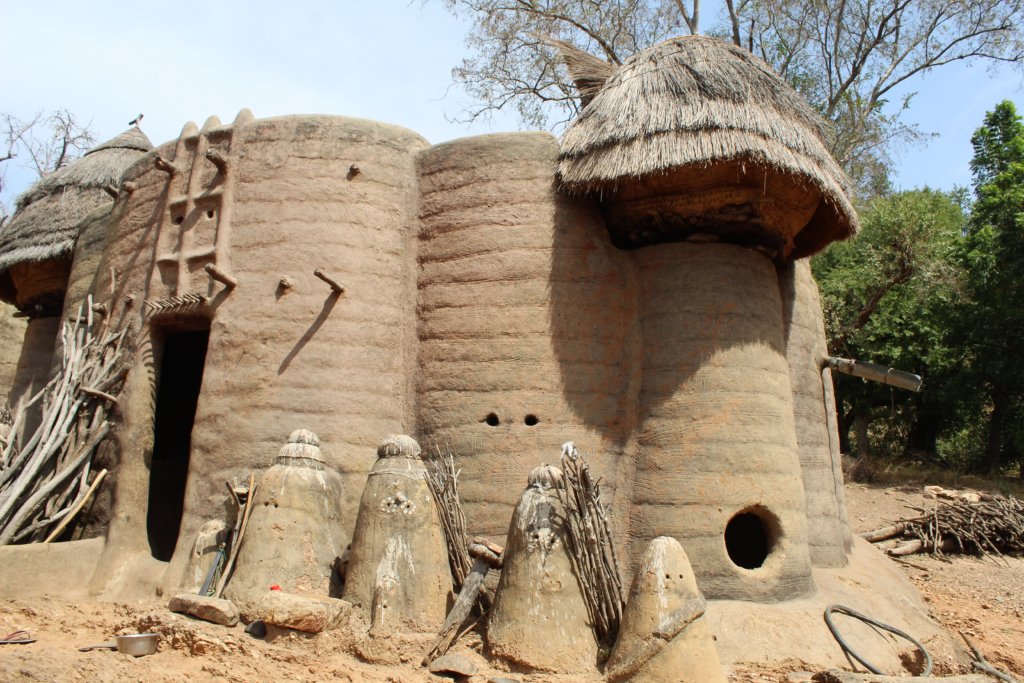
point(388, 60)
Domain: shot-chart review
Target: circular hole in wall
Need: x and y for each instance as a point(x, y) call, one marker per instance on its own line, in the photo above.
point(178, 220)
point(209, 213)
point(750, 537)
point(492, 420)
point(530, 420)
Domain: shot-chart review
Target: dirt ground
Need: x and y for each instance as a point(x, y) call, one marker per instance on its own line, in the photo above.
point(982, 598)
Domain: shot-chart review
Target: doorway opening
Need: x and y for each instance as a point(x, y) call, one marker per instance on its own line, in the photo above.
point(181, 356)
point(750, 537)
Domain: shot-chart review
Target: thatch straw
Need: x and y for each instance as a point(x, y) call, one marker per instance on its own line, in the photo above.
point(695, 102)
point(48, 214)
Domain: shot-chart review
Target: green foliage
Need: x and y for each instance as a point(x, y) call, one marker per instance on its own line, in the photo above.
point(887, 296)
point(991, 320)
point(929, 289)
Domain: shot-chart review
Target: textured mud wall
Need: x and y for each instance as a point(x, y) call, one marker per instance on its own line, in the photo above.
point(85, 263)
point(285, 352)
point(12, 332)
point(525, 321)
point(716, 436)
point(34, 359)
point(827, 533)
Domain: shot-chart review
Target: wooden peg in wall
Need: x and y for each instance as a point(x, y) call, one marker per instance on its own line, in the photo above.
point(218, 160)
point(336, 286)
point(220, 276)
point(165, 166)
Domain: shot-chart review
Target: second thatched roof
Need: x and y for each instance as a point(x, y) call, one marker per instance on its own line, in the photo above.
point(44, 225)
point(695, 102)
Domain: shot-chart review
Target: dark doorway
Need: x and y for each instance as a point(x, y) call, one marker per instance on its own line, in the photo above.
point(178, 383)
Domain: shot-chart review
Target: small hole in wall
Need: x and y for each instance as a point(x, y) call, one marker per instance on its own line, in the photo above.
point(530, 420)
point(492, 420)
point(178, 220)
point(209, 213)
point(750, 537)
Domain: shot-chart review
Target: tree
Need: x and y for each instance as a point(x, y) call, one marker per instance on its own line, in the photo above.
point(888, 297)
point(46, 143)
point(993, 254)
point(846, 56)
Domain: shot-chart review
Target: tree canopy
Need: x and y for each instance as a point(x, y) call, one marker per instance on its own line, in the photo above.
point(846, 56)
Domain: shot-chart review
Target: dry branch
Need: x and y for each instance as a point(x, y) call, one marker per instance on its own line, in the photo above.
point(45, 474)
point(987, 527)
point(592, 549)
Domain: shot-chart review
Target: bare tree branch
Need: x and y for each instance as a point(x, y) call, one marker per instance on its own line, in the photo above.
point(47, 141)
point(845, 56)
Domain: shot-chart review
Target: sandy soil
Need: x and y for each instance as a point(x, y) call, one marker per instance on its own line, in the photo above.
point(982, 598)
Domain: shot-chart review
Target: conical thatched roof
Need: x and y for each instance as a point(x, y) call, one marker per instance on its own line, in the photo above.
point(47, 216)
point(696, 102)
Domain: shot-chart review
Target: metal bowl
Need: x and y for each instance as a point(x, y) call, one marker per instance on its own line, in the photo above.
point(137, 644)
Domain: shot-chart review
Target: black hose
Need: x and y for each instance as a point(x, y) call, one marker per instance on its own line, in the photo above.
point(840, 609)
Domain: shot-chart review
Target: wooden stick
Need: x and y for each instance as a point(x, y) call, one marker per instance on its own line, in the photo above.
point(485, 558)
point(165, 166)
point(237, 542)
point(884, 533)
point(218, 160)
point(77, 506)
point(336, 286)
point(99, 394)
point(220, 276)
point(983, 664)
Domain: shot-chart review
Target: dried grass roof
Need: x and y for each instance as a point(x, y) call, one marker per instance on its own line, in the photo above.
point(692, 102)
point(45, 224)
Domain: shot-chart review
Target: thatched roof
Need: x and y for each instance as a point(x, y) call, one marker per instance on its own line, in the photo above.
point(694, 102)
point(44, 226)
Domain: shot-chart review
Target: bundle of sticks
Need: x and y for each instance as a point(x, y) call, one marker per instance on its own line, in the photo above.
point(592, 549)
point(988, 527)
point(443, 480)
point(46, 475)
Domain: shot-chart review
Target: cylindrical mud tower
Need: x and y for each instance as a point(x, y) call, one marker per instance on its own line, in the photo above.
point(215, 256)
point(717, 467)
point(828, 534)
point(525, 321)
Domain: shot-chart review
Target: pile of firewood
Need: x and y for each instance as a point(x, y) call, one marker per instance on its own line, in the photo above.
point(981, 528)
point(45, 464)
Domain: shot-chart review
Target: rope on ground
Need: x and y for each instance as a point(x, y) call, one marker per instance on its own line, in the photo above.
point(849, 652)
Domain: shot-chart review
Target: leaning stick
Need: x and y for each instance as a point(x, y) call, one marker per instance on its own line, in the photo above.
point(237, 543)
point(77, 506)
point(485, 557)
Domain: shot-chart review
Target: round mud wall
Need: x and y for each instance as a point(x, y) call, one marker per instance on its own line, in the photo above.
point(285, 352)
point(12, 332)
point(526, 322)
point(717, 466)
point(827, 530)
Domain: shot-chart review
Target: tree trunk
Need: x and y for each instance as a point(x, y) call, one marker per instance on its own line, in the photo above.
point(994, 446)
point(860, 428)
point(843, 418)
point(923, 436)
